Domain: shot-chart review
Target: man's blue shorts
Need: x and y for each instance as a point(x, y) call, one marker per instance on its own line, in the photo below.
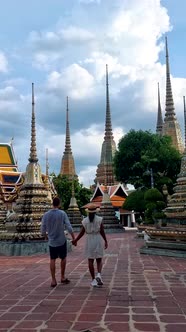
point(58, 252)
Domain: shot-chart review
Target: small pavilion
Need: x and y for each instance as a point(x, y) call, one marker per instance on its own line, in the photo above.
point(117, 194)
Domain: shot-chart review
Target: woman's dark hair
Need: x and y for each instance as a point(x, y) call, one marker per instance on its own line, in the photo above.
point(91, 216)
point(56, 201)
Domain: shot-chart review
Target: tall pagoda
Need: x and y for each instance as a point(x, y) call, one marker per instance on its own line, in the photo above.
point(159, 125)
point(171, 126)
point(171, 240)
point(176, 207)
point(67, 163)
point(33, 200)
point(105, 171)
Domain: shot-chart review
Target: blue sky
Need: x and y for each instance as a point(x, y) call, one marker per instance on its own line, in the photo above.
point(63, 47)
point(177, 46)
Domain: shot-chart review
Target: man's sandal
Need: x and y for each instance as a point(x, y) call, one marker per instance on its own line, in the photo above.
point(53, 285)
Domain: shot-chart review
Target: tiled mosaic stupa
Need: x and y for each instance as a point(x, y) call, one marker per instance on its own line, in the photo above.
point(107, 212)
point(33, 200)
point(176, 206)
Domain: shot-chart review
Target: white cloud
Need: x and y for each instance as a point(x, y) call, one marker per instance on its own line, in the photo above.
point(45, 60)
point(8, 93)
point(134, 18)
point(48, 47)
point(9, 99)
point(127, 41)
point(75, 80)
point(44, 40)
point(17, 81)
point(76, 34)
point(53, 40)
point(87, 175)
point(92, 139)
point(90, 136)
point(135, 31)
point(89, 1)
point(3, 63)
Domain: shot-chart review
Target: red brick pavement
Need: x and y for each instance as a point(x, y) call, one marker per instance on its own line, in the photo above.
point(140, 292)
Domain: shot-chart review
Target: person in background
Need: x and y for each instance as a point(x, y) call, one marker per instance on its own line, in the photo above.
point(96, 242)
point(53, 225)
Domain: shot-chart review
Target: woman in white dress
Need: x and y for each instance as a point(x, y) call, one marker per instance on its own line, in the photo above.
point(94, 246)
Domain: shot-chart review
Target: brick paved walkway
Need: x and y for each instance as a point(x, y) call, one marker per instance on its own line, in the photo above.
point(140, 292)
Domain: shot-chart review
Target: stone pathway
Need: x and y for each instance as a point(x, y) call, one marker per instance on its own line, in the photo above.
point(140, 292)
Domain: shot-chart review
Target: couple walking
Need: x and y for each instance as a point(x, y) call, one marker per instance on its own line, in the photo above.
point(53, 225)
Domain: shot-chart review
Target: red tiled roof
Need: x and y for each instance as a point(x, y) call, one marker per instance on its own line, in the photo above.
point(117, 195)
point(122, 211)
point(97, 199)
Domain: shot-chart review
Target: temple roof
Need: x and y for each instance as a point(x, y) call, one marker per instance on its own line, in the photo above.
point(7, 158)
point(117, 190)
point(10, 178)
point(117, 195)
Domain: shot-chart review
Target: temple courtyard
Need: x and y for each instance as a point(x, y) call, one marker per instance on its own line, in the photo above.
point(140, 292)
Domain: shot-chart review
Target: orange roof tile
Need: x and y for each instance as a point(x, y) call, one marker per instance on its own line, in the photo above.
point(6, 155)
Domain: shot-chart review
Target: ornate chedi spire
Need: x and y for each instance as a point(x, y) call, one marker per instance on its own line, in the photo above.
point(33, 150)
point(33, 201)
point(176, 207)
point(171, 126)
point(105, 172)
point(67, 163)
point(159, 125)
point(108, 213)
point(33, 170)
point(73, 211)
point(47, 181)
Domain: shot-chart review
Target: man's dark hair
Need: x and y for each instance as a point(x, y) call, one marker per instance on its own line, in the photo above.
point(56, 201)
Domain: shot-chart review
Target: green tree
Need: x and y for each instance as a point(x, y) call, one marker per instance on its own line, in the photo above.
point(148, 203)
point(154, 202)
point(83, 195)
point(63, 187)
point(135, 201)
point(141, 151)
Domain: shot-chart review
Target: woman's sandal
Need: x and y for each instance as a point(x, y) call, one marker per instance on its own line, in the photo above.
point(53, 285)
point(65, 281)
